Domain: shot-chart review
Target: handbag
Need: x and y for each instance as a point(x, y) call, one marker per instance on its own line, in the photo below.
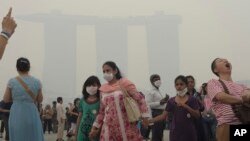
point(241, 111)
point(27, 89)
point(131, 106)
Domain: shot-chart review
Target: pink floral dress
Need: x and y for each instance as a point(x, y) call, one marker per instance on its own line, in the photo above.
point(112, 117)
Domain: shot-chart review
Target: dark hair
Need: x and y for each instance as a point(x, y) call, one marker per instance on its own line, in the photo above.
point(54, 102)
point(213, 66)
point(75, 100)
point(91, 81)
point(203, 87)
point(182, 78)
point(153, 76)
point(190, 77)
point(114, 67)
point(59, 99)
point(23, 64)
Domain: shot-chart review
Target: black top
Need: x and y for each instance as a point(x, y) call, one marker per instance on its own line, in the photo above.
point(5, 106)
point(74, 117)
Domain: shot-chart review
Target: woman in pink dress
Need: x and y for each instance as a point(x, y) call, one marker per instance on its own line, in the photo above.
point(112, 120)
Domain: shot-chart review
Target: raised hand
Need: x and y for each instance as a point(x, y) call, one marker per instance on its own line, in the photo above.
point(163, 101)
point(8, 24)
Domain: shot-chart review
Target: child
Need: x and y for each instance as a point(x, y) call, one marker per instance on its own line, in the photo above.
point(88, 109)
point(184, 109)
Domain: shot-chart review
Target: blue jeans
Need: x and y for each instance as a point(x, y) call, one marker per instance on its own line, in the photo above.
point(210, 128)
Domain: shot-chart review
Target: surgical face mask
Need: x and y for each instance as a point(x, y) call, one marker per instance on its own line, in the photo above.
point(108, 76)
point(157, 83)
point(91, 90)
point(182, 92)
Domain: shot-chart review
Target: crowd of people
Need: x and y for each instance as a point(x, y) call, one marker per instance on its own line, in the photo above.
point(101, 114)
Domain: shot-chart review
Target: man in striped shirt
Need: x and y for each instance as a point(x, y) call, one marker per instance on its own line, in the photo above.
point(222, 101)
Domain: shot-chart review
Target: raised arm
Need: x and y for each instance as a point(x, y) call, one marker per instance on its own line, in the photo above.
point(8, 28)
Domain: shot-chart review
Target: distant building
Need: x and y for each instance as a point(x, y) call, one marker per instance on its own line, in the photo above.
point(60, 31)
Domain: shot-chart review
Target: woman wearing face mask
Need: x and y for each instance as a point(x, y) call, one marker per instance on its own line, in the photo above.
point(157, 103)
point(112, 117)
point(183, 108)
point(88, 108)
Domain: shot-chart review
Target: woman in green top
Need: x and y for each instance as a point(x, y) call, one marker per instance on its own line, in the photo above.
point(88, 109)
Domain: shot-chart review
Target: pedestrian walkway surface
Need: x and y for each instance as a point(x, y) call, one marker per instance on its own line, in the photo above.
point(52, 137)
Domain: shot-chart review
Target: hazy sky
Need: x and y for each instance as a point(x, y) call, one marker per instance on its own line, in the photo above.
point(207, 29)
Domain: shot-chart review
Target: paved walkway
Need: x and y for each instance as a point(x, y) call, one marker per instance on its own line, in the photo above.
point(52, 137)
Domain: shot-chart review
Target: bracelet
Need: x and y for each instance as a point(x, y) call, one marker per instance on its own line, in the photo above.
point(5, 36)
point(6, 33)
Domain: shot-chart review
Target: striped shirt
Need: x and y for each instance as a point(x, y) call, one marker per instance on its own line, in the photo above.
point(224, 112)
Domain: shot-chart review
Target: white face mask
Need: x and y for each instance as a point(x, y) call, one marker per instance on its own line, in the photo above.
point(108, 76)
point(182, 92)
point(91, 90)
point(157, 83)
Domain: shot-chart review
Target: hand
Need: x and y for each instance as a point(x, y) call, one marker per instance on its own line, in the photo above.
point(8, 24)
point(93, 133)
point(150, 121)
point(163, 101)
point(246, 96)
point(145, 122)
point(181, 104)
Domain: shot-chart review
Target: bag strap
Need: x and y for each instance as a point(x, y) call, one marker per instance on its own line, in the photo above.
point(27, 89)
point(227, 92)
point(224, 86)
point(125, 92)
